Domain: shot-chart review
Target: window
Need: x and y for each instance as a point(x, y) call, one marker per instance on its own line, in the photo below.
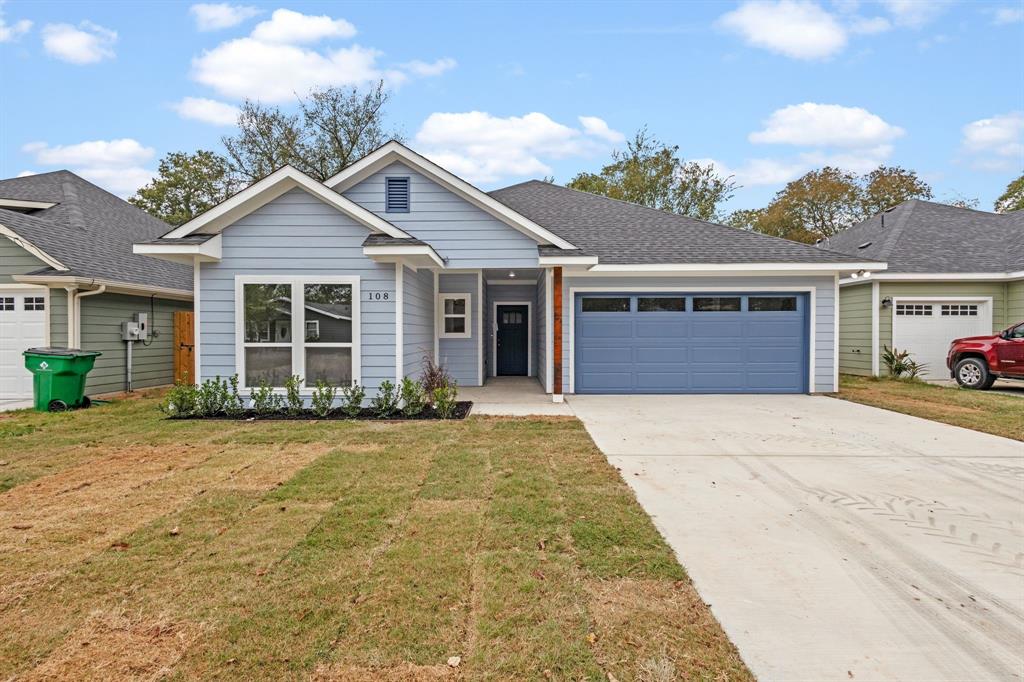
point(600, 304)
point(914, 309)
point(34, 303)
point(771, 304)
point(455, 316)
point(1016, 332)
point(6, 303)
point(716, 304)
point(661, 304)
point(959, 310)
point(272, 314)
point(396, 195)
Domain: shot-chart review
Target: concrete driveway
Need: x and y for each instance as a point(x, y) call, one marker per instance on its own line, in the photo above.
point(834, 541)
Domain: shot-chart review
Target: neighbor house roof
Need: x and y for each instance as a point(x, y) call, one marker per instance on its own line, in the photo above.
point(618, 232)
point(88, 232)
point(926, 237)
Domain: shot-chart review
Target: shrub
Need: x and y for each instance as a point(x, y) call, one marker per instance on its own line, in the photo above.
point(292, 386)
point(323, 398)
point(446, 400)
point(434, 376)
point(352, 399)
point(213, 397)
point(264, 401)
point(900, 364)
point(413, 397)
point(386, 401)
point(182, 400)
point(235, 406)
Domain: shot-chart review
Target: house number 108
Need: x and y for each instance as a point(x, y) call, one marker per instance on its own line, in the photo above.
point(376, 295)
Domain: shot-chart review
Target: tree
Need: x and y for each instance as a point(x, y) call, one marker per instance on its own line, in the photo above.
point(1013, 198)
point(333, 128)
point(888, 186)
point(773, 220)
point(650, 173)
point(185, 186)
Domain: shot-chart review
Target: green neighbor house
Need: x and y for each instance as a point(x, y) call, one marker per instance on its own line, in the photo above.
point(953, 272)
point(68, 277)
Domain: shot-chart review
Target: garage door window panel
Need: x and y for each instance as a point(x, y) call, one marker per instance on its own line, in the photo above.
point(661, 304)
point(605, 304)
point(716, 304)
point(914, 309)
point(6, 303)
point(959, 310)
point(772, 304)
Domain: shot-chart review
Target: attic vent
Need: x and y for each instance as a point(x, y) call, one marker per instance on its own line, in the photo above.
point(396, 195)
point(864, 245)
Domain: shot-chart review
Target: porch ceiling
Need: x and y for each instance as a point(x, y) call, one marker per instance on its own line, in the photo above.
point(522, 275)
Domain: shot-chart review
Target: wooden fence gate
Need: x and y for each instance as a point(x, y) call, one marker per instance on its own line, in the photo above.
point(184, 347)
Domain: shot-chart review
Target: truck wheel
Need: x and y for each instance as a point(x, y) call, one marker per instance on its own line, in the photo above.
point(57, 406)
point(973, 373)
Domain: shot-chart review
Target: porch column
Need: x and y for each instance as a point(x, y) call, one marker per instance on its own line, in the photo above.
point(556, 290)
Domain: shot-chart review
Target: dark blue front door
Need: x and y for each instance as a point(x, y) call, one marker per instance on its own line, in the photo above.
point(513, 340)
point(691, 343)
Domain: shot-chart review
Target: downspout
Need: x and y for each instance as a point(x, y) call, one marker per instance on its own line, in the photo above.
point(68, 338)
point(78, 312)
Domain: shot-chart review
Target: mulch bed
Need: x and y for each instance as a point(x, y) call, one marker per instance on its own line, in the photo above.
point(462, 410)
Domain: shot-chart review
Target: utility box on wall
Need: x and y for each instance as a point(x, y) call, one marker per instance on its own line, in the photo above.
point(137, 329)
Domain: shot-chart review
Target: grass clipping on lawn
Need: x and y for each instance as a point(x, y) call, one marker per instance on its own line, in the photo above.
point(489, 548)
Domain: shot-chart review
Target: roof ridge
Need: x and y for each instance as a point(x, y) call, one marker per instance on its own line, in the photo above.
point(890, 240)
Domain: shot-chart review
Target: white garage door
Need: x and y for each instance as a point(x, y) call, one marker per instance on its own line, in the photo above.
point(22, 325)
point(925, 328)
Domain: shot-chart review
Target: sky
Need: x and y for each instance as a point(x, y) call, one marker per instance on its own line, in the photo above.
point(503, 92)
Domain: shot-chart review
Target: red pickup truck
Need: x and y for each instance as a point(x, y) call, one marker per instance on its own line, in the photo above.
point(977, 361)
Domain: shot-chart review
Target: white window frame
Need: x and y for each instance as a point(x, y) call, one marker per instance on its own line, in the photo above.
point(316, 329)
point(441, 316)
point(298, 341)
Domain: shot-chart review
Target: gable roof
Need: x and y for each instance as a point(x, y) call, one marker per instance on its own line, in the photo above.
point(87, 232)
point(396, 151)
point(927, 237)
point(618, 232)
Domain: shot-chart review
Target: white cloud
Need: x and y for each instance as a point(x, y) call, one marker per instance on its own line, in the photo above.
point(26, 173)
point(810, 124)
point(754, 172)
point(795, 28)
point(869, 25)
point(996, 143)
point(87, 43)
point(116, 165)
point(207, 110)
point(9, 32)
point(294, 28)
point(275, 63)
point(915, 13)
point(485, 148)
point(592, 125)
point(217, 16)
point(1007, 15)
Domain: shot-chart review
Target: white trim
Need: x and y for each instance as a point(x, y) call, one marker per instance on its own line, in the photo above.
point(835, 339)
point(209, 251)
point(196, 328)
point(399, 324)
point(112, 286)
point(529, 336)
point(940, 298)
point(549, 331)
point(812, 317)
point(400, 250)
point(876, 304)
point(18, 285)
point(31, 248)
point(69, 292)
point(395, 151)
point(439, 317)
point(25, 203)
point(76, 302)
point(735, 267)
point(480, 329)
point(940, 277)
point(297, 343)
point(437, 344)
point(567, 260)
point(270, 188)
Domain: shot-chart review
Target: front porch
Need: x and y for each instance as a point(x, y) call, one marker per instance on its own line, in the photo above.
point(513, 396)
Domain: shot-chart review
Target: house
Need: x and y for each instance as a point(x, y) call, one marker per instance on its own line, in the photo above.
point(68, 277)
point(585, 293)
point(953, 272)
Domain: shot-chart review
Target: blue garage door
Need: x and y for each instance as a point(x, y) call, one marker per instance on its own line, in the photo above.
point(691, 343)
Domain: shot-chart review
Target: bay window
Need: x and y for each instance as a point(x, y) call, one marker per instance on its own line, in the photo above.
point(297, 326)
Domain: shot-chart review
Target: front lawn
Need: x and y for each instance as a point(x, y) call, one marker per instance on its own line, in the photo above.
point(996, 413)
point(138, 547)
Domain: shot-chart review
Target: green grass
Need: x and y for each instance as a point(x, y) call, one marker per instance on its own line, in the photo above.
point(995, 413)
point(337, 550)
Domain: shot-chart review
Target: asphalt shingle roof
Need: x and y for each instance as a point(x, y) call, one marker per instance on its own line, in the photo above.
point(923, 236)
point(621, 232)
point(90, 231)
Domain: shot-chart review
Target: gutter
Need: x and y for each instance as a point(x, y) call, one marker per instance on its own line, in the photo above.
point(75, 313)
point(111, 286)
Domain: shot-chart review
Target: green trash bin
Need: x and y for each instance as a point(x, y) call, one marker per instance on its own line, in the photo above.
point(58, 377)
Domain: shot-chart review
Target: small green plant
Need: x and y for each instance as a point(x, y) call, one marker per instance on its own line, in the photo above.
point(292, 386)
point(264, 401)
point(446, 400)
point(434, 376)
point(385, 403)
point(900, 364)
point(323, 399)
point(235, 406)
point(352, 399)
point(413, 397)
point(181, 401)
point(213, 397)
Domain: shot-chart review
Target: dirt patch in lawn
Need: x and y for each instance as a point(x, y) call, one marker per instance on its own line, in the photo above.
point(402, 673)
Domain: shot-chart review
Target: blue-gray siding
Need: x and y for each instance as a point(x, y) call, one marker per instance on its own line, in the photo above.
point(461, 356)
point(540, 329)
point(515, 292)
point(417, 320)
point(298, 235)
point(823, 370)
point(459, 231)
